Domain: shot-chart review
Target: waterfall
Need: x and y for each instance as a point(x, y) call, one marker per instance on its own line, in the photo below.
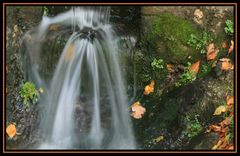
point(85, 104)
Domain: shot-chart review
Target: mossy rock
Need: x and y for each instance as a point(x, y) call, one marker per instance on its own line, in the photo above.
point(169, 34)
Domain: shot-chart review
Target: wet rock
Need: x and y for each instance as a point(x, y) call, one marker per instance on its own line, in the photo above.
point(205, 142)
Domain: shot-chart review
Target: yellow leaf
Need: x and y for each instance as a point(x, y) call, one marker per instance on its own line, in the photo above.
point(160, 138)
point(220, 110)
point(137, 110)
point(11, 130)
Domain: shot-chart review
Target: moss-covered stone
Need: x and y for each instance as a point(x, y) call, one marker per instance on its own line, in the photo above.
point(172, 33)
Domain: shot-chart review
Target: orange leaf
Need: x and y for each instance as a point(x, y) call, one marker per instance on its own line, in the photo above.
point(229, 100)
point(11, 130)
point(226, 66)
point(195, 67)
point(231, 47)
point(211, 52)
point(230, 147)
point(225, 122)
point(137, 110)
point(149, 88)
point(215, 128)
point(69, 53)
point(224, 44)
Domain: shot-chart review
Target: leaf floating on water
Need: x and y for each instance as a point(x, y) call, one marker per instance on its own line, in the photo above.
point(11, 130)
point(195, 67)
point(137, 110)
point(231, 47)
point(69, 53)
point(220, 110)
point(149, 88)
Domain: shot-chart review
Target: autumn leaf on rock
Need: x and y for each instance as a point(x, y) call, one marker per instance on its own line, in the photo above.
point(137, 110)
point(170, 67)
point(226, 64)
point(220, 110)
point(231, 47)
point(11, 130)
point(149, 88)
point(215, 128)
point(211, 52)
point(229, 102)
point(195, 67)
point(225, 122)
point(224, 45)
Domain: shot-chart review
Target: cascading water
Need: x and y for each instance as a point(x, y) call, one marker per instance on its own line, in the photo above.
point(85, 104)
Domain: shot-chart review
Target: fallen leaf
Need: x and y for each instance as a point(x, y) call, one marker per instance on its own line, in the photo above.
point(226, 66)
point(11, 130)
point(225, 122)
point(160, 138)
point(231, 47)
point(217, 145)
point(69, 53)
point(230, 147)
point(170, 67)
point(229, 100)
point(149, 88)
point(224, 44)
point(219, 110)
point(195, 67)
point(215, 128)
point(137, 110)
point(198, 13)
point(211, 52)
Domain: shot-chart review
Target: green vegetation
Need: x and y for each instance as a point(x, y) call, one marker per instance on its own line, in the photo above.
point(231, 127)
point(174, 32)
point(199, 42)
point(157, 64)
point(229, 28)
point(193, 126)
point(29, 93)
point(205, 69)
point(186, 77)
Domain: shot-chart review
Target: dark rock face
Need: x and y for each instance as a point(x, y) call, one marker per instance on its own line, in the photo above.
point(18, 21)
point(201, 98)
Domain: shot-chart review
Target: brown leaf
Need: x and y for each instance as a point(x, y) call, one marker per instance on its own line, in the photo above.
point(195, 67)
point(226, 66)
point(230, 147)
point(54, 27)
point(170, 67)
point(211, 52)
point(224, 44)
point(229, 100)
point(219, 110)
point(137, 110)
point(215, 128)
point(225, 122)
point(231, 47)
point(69, 53)
point(11, 130)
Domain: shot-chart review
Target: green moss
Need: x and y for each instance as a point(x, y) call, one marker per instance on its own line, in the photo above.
point(174, 32)
point(29, 93)
point(193, 126)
